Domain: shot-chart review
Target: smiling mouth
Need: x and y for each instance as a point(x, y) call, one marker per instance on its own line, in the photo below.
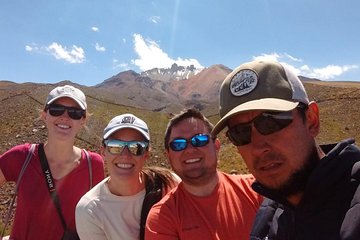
point(124, 165)
point(63, 126)
point(193, 160)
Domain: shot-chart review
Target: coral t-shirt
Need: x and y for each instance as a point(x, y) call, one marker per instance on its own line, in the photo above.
point(227, 213)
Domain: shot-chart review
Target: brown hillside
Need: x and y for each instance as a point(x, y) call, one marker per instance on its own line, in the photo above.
point(21, 103)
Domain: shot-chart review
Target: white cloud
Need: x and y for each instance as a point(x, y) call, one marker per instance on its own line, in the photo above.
point(32, 48)
point(73, 55)
point(118, 65)
point(154, 19)
point(324, 73)
point(28, 48)
point(99, 48)
point(292, 58)
point(152, 56)
point(95, 29)
point(264, 56)
point(330, 71)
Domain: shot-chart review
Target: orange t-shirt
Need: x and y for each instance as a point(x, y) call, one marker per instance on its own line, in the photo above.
point(228, 213)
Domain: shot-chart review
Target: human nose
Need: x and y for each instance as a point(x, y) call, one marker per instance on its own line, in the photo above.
point(259, 142)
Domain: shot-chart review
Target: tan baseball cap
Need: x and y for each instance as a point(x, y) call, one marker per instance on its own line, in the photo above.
point(259, 85)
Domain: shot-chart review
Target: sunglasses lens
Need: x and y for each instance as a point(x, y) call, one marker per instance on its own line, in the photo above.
point(265, 124)
point(136, 148)
point(199, 140)
point(75, 113)
point(240, 134)
point(268, 123)
point(56, 110)
point(178, 144)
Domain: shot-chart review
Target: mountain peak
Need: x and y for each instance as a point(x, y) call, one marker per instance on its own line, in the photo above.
point(175, 72)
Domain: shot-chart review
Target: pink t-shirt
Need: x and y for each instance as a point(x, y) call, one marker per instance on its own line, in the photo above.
point(36, 215)
point(227, 213)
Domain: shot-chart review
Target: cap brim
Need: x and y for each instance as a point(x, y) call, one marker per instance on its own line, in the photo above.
point(268, 104)
point(62, 96)
point(145, 134)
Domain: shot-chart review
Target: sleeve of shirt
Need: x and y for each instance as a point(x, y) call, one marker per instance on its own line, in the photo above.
point(87, 226)
point(97, 168)
point(160, 224)
point(247, 180)
point(12, 160)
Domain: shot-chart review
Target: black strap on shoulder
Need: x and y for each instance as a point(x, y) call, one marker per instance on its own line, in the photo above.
point(50, 183)
point(152, 196)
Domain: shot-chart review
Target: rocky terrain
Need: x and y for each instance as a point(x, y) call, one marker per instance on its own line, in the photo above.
point(155, 100)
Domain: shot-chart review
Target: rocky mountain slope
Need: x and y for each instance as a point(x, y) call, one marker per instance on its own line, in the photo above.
point(155, 99)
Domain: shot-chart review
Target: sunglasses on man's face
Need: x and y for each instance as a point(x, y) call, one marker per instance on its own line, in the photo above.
point(116, 147)
point(180, 144)
point(265, 123)
point(58, 110)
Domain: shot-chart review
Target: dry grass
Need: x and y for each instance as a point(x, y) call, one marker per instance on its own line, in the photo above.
point(339, 110)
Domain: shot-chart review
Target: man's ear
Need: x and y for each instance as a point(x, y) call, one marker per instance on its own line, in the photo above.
point(166, 153)
point(217, 144)
point(313, 119)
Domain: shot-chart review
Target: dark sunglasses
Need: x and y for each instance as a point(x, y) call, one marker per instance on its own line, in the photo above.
point(116, 147)
point(58, 110)
point(265, 123)
point(180, 144)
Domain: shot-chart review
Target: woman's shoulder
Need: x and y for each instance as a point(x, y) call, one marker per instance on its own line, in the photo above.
point(94, 157)
point(21, 149)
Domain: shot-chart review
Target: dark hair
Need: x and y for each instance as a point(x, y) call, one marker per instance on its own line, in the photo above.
point(302, 108)
point(165, 175)
point(188, 113)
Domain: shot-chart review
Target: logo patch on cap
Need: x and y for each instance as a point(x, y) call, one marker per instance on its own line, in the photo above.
point(128, 119)
point(243, 82)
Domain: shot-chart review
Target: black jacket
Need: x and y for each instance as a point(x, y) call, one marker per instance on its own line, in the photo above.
point(330, 207)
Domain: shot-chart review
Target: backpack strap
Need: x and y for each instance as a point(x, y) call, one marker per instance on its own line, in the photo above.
point(153, 195)
point(11, 205)
point(90, 167)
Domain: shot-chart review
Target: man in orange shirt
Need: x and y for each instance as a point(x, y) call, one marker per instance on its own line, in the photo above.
point(207, 204)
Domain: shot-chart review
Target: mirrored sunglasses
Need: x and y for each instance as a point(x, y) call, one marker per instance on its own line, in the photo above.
point(265, 123)
point(58, 110)
point(180, 144)
point(116, 147)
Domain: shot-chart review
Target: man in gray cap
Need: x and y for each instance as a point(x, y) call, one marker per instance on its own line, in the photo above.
point(313, 191)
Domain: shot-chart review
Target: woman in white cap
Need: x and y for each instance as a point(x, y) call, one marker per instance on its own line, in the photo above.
point(117, 207)
point(57, 174)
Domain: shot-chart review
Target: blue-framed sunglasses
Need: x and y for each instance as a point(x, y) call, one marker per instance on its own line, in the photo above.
point(116, 147)
point(198, 140)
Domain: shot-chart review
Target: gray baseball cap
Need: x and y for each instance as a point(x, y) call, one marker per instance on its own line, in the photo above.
point(259, 85)
point(67, 91)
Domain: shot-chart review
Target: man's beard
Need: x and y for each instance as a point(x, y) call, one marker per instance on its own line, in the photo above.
point(298, 181)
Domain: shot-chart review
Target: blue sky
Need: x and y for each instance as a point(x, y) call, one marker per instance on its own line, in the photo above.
point(88, 41)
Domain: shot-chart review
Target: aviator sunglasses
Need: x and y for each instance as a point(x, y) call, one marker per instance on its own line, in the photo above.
point(58, 110)
point(265, 123)
point(180, 144)
point(116, 147)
